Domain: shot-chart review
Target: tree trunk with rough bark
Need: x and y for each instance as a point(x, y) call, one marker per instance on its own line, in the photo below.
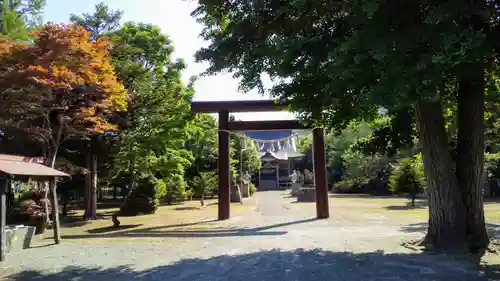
point(446, 229)
point(470, 155)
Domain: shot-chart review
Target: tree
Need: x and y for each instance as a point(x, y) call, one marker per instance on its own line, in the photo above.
point(337, 146)
point(158, 116)
point(145, 199)
point(336, 62)
point(407, 178)
point(203, 183)
point(18, 17)
point(60, 86)
point(202, 142)
point(243, 149)
point(98, 24)
point(101, 22)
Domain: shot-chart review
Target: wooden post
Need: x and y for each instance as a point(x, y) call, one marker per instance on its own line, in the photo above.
point(320, 176)
point(55, 211)
point(224, 181)
point(3, 218)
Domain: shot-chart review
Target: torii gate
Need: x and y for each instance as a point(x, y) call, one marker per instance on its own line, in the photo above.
point(223, 108)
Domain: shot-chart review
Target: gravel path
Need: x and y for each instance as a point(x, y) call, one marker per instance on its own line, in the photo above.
point(277, 240)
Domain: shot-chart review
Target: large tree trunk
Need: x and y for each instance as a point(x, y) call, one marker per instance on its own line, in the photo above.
point(91, 188)
point(446, 229)
point(470, 155)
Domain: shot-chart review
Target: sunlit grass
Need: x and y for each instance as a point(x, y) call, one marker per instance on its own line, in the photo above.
point(190, 217)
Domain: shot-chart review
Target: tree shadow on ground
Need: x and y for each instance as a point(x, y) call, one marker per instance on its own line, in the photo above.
point(109, 229)
point(168, 231)
point(186, 208)
point(73, 221)
point(362, 196)
point(79, 221)
point(299, 264)
point(419, 204)
point(493, 229)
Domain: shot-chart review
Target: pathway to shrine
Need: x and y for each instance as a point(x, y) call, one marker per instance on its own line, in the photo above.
point(270, 238)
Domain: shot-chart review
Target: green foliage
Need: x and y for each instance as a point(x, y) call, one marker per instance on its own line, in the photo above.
point(360, 168)
point(205, 184)
point(344, 155)
point(19, 17)
point(242, 149)
point(338, 144)
point(492, 164)
point(351, 58)
point(407, 177)
point(304, 144)
point(202, 142)
point(348, 186)
point(252, 189)
point(22, 188)
point(144, 198)
point(101, 22)
point(391, 135)
point(189, 194)
point(176, 189)
point(158, 116)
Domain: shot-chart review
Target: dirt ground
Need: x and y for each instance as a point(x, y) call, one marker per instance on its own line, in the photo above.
point(269, 237)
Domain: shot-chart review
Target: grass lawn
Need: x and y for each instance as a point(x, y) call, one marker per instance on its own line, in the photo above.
point(189, 217)
point(177, 216)
point(399, 206)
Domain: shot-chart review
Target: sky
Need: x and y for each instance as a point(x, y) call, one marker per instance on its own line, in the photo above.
point(173, 17)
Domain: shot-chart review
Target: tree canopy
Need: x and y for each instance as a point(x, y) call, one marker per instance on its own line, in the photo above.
point(60, 86)
point(99, 23)
point(158, 113)
point(338, 61)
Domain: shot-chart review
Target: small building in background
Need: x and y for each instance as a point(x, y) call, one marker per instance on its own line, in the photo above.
point(278, 157)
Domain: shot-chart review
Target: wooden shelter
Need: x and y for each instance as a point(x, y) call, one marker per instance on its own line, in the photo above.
point(24, 168)
point(223, 108)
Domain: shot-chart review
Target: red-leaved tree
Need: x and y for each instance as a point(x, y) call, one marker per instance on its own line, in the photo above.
point(61, 85)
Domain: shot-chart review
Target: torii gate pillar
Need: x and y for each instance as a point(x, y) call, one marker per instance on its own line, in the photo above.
point(224, 180)
point(320, 174)
point(223, 108)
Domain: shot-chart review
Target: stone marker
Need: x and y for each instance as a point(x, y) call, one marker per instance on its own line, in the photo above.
point(19, 238)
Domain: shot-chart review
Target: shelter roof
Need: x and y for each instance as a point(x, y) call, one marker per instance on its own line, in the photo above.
point(16, 166)
point(7, 157)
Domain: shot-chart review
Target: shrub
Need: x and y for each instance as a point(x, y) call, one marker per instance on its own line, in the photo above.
point(407, 178)
point(30, 210)
point(204, 185)
point(347, 186)
point(360, 168)
point(144, 198)
point(189, 194)
point(252, 189)
point(176, 189)
point(492, 164)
